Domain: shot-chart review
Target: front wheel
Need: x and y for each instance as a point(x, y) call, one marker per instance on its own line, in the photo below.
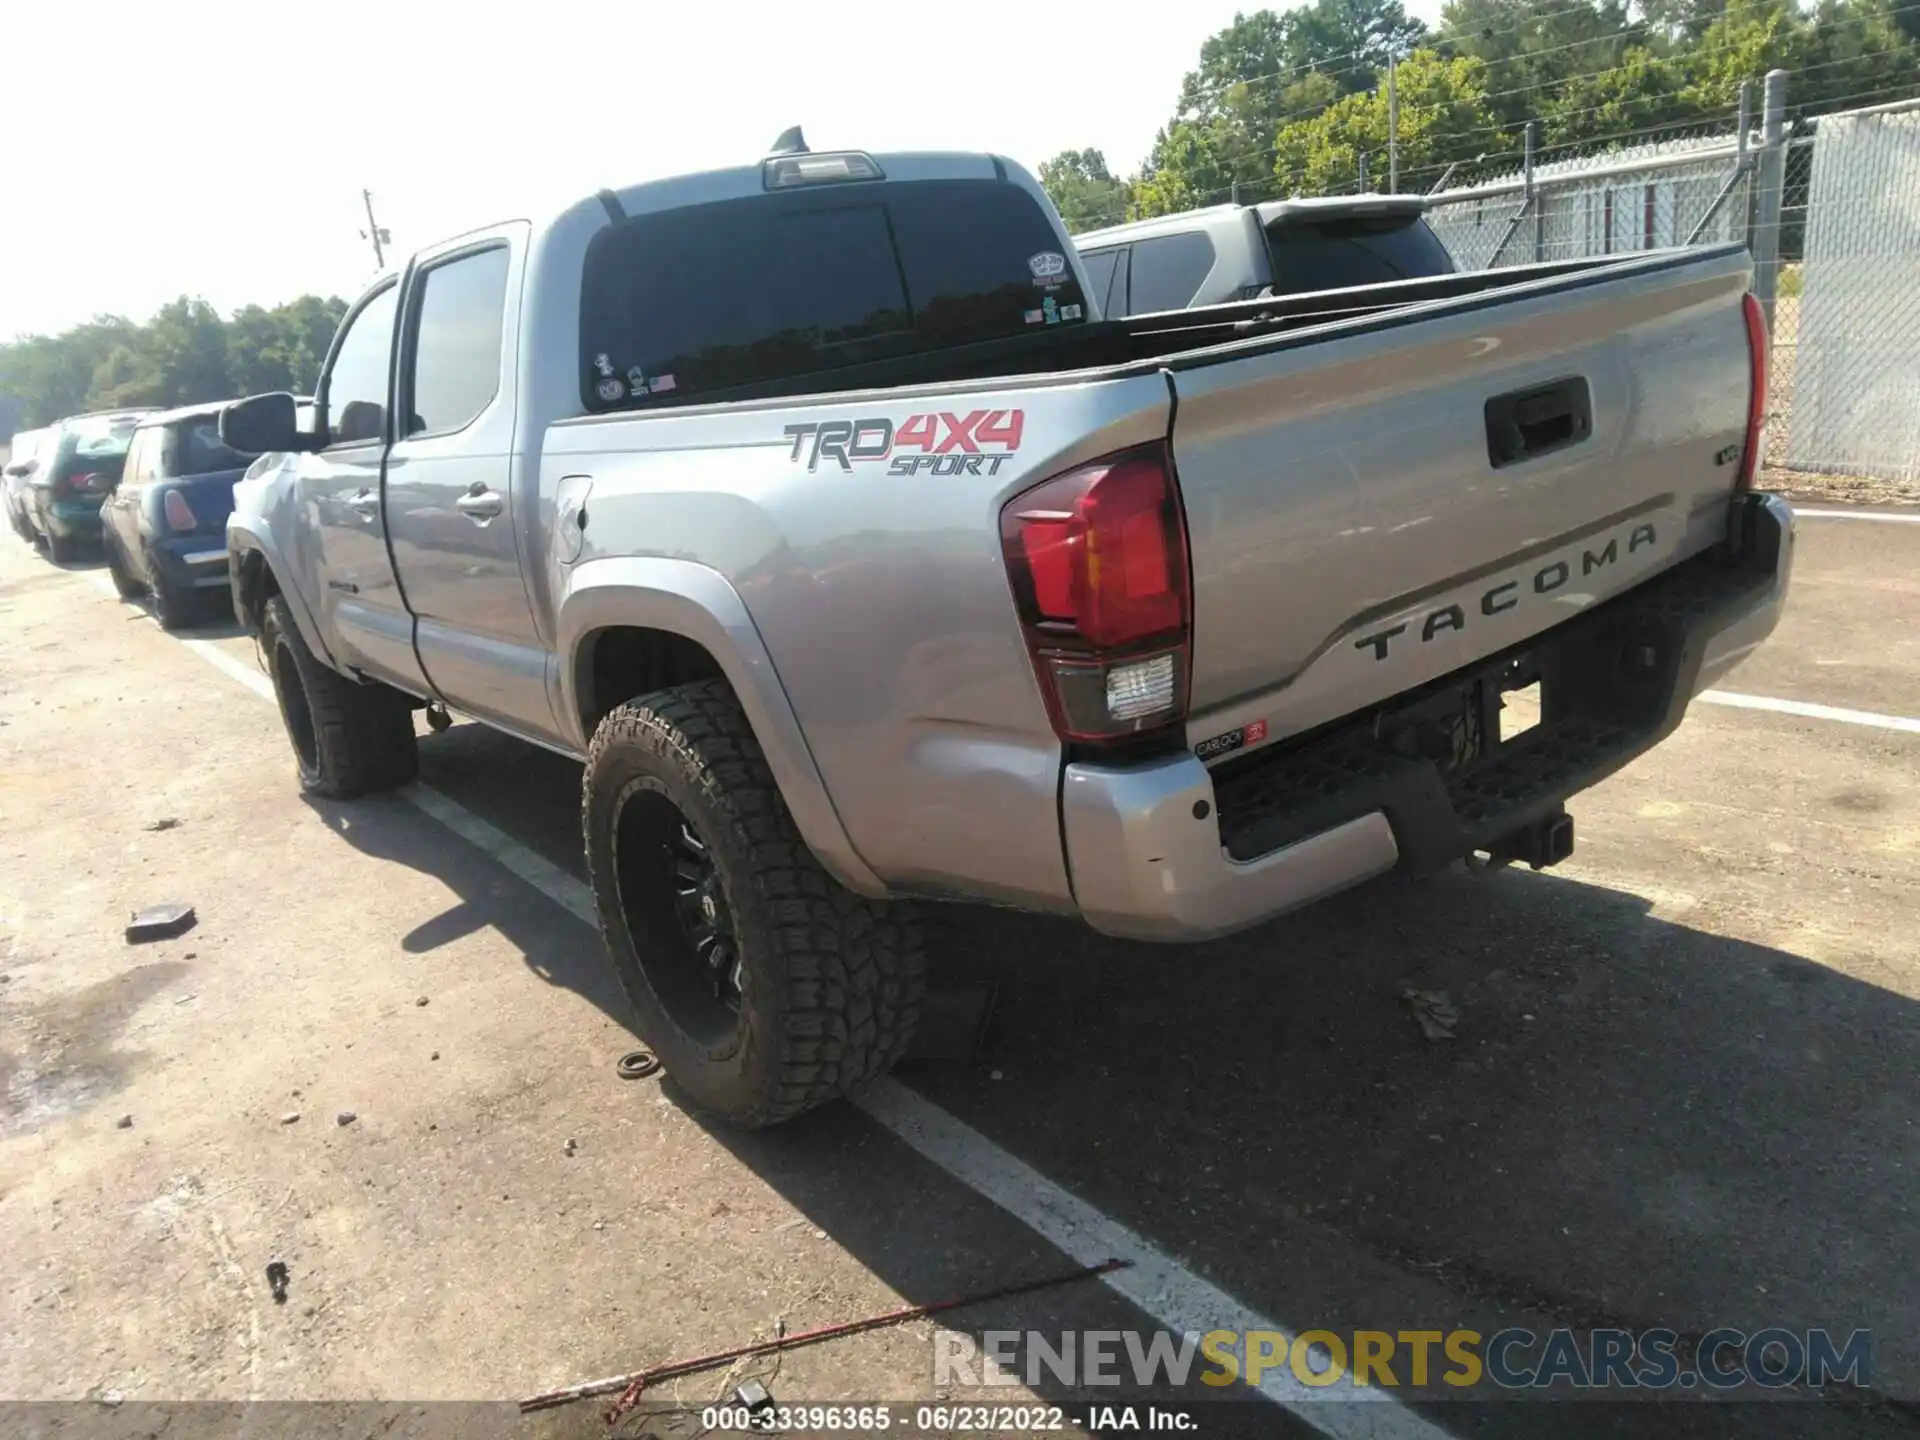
point(766, 987)
point(348, 738)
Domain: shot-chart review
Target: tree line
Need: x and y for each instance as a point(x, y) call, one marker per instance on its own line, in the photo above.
point(184, 354)
point(1294, 103)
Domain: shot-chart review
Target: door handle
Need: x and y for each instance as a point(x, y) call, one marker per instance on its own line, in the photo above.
point(367, 503)
point(479, 503)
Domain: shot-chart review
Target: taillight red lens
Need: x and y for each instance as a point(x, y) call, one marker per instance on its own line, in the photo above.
point(1098, 560)
point(179, 514)
point(1757, 394)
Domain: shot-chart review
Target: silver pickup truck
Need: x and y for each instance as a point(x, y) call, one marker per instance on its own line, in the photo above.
point(815, 506)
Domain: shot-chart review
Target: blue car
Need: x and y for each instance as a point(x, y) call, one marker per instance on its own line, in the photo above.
point(164, 526)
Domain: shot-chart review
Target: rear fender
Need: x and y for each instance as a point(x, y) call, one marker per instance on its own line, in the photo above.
point(697, 603)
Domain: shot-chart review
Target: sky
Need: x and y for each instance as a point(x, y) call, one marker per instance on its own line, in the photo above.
point(219, 149)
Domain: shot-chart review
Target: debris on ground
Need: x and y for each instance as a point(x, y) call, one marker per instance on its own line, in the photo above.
point(421, 1001)
point(630, 1387)
point(159, 922)
point(345, 1117)
point(165, 822)
point(753, 1397)
point(125, 1122)
point(572, 1146)
point(434, 1056)
point(637, 1064)
point(1434, 1012)
point(277, 1279)
point(289, 1117)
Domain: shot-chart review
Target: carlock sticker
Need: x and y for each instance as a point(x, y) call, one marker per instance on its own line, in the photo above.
point(1252, 733)
point(977, 443)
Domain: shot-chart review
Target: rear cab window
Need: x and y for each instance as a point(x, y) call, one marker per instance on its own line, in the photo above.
point(682, 304)
point(1338, 253)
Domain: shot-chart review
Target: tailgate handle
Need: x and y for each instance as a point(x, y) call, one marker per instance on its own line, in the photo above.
point(1527, 423)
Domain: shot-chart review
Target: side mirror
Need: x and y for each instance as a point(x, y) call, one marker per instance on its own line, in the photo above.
point(261, 423)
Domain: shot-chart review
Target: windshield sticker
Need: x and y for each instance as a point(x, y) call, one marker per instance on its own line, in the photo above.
point(1049, 267)
point(611, 389)
point(604, 366)
point(1071, 312)
point(1034, 317)
point(1051, 308)
point(977, 443)
point(662, 384)
point(637, 380)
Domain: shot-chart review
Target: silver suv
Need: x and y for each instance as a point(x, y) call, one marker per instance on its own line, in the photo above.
point(1240, 252)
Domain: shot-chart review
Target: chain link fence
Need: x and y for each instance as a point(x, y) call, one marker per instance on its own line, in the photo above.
point(1847, 340)
point(1674, 191)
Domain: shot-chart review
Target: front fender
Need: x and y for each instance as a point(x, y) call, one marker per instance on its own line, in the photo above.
point(245, 537)
point(691, 600)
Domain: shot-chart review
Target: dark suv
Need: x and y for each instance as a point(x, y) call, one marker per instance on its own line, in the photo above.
point(76, 466)
point(165, 525)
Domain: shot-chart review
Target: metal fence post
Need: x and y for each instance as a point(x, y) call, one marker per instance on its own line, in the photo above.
point(1764, 237)
point(1534, 202)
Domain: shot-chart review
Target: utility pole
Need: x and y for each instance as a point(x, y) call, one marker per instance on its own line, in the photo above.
point(1393, 127)
point(373, 232)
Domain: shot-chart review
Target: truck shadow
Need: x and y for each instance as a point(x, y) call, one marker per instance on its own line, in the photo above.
point(1635, 1122)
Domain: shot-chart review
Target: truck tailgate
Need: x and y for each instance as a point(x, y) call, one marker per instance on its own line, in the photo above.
point(1372, 505)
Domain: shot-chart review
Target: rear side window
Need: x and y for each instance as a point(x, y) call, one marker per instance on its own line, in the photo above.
point(1338, 254)
point(795, 283)
point(456, 347)
point(198, 449)
point(1168, 271)
point(1099, 268)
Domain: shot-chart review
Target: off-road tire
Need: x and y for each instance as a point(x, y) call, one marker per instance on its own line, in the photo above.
point(831, 983)
point(173, 608)
point(349, 738)
point(124, 585)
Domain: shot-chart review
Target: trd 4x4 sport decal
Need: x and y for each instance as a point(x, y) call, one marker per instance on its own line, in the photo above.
point(977, 443)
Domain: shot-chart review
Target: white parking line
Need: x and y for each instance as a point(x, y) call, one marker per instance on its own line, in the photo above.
point(1889, 516)
point(1810, 711)
point(1156, 1282)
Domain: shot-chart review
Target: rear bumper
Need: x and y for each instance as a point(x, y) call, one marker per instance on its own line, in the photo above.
point(71, 519)
point(1173, 851)
point(192, 562)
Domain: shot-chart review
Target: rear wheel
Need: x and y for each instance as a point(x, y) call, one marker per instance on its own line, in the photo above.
point(124, 585)
point(348, 738)
point(173, 606)
point(766, 987)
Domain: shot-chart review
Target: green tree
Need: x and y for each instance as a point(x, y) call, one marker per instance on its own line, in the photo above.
point(1444, 117)
point(1084, 191)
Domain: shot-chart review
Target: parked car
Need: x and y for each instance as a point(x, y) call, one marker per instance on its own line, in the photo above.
point(1239, 252)
point(13, 486)
point(76, 466)
point(809, 504)
point(164, 525)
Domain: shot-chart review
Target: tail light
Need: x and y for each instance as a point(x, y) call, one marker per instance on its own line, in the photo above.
point(179, 514)
point(95, 483)
point(1098, 561)
point(1756, 394)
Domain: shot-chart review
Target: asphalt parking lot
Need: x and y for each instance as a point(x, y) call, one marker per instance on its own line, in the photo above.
point(1684, 1089)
